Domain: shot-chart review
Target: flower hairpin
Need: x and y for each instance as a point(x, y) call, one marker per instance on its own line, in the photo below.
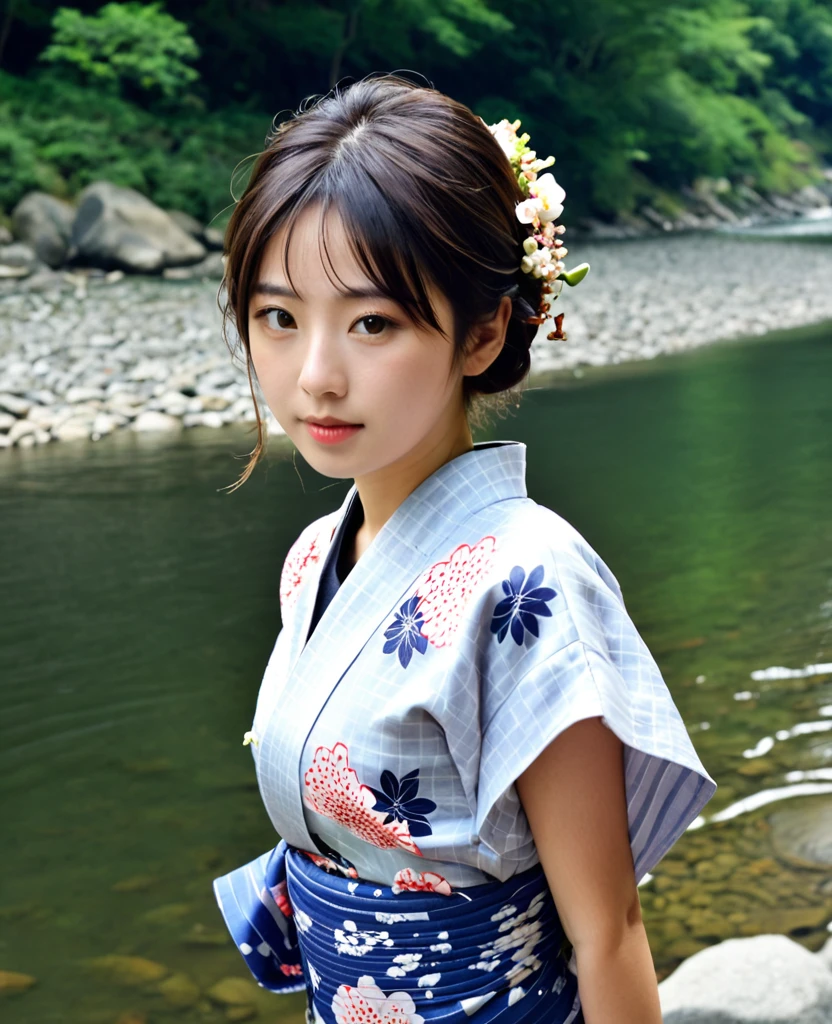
point(543, 249)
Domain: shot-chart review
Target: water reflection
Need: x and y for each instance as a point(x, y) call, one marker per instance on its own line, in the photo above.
point(141, 604)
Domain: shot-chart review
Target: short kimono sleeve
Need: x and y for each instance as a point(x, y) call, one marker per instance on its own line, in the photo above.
point(585, 658)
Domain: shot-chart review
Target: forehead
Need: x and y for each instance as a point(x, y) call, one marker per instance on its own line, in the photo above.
point(319, 258)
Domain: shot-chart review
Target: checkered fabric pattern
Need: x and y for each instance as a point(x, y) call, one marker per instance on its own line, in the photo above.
point(476, 628)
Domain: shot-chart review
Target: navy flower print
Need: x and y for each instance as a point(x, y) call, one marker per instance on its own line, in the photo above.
point(525, 600)
point(399, 801)
point(404, 633)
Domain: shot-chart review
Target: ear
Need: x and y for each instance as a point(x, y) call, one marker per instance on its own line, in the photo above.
point(486, 339)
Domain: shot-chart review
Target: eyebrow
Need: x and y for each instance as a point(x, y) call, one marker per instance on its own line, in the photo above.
point(280, 290)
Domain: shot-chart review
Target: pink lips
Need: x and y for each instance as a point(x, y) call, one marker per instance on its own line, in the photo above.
point(335, 433)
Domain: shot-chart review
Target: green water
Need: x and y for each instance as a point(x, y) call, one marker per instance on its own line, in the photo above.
point(140, 604)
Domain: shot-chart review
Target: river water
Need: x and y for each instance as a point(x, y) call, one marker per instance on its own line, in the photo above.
point(140, 604)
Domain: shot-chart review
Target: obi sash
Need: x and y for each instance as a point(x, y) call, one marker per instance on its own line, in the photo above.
point(364, 952)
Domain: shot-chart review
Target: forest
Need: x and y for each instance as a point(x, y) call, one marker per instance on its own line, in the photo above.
point(637, 99)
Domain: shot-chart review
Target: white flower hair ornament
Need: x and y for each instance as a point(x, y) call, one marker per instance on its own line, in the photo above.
point(543, 205)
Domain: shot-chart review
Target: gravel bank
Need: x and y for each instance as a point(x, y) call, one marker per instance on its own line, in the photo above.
point(83, 354)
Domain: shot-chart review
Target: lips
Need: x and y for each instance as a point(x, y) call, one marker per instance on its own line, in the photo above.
point(330, 421)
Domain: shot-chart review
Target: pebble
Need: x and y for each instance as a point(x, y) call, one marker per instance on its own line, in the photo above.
point(12, 982)
point(78, 362)
point(128, 970)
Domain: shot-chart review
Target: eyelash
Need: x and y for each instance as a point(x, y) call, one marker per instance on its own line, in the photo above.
point(263, 313)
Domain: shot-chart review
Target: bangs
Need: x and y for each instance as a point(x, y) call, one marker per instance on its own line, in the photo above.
point(387, 245)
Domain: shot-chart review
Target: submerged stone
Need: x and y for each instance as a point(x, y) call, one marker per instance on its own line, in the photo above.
point(12, 982)
point(128, 970)
point(802, 835)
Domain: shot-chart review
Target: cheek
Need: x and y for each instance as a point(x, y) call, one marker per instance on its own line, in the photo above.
point(412, 381)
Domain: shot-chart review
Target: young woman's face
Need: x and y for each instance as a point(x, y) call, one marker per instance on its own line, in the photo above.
point(320, 355)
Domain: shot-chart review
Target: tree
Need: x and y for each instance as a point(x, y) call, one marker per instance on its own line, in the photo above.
point(124, 44)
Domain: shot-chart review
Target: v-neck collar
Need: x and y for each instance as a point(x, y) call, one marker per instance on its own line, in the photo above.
point(417, 530)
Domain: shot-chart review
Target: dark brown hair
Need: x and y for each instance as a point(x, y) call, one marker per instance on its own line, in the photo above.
point(426, 194)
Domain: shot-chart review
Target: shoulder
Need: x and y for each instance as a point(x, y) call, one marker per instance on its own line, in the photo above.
point(546, 588)
point(304, 553)
point(535, 536)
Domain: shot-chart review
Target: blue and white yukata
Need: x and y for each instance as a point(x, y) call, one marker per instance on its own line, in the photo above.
point(476, 627)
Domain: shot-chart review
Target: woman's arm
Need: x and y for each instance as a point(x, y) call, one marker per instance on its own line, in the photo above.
point(574, 798)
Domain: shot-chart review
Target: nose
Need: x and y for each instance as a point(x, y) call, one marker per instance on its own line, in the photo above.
point(323, 371)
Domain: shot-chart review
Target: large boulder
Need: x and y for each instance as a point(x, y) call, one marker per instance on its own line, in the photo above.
point(765, 979)
point(44, 223)
point(211, 238)
point(119, 228)
point(18, 260)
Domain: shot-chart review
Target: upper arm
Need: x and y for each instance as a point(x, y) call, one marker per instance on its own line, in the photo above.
point(574, 798)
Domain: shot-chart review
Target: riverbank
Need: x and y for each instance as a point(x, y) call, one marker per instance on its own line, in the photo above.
point(85, 353)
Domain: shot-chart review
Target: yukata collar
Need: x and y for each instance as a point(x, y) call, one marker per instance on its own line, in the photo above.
point(419, 530)
point(491, 471)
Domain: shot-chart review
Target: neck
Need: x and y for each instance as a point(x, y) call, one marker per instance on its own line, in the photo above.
point(383, 491)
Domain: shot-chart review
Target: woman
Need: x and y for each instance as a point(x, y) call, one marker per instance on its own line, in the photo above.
point(468, 751)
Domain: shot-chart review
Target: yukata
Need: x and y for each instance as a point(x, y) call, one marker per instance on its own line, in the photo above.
point(477, 626)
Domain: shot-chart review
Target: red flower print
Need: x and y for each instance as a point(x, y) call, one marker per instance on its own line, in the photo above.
point(328, 864)
point(302, 554)
point(365, 1003)
point(291, 969)
point(281, 898)
point(332, 789)
point(408, 880)
point(446, 588)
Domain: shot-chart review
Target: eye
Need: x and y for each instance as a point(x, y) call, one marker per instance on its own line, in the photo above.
point(375, 323)
point(283, 320)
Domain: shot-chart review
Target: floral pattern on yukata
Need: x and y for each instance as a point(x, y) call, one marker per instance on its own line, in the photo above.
point(365, 1003)
point(408, 880)
point(524, 602)
point(332, 788)
point(434, 612)
point(303, 554)
point(398, 800)
point(332, 861)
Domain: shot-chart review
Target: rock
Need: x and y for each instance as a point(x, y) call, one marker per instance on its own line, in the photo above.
point(6, 237)
point(15, 404)
point(135, 883)
point(188, 223)
point(12, 982)
point(84, 394)
point(199, 935)
point(768, 979)
point(150, 420)
point(128, 970)
point(213, 238)
point(179, 991)
point(802, 834)
point(167, 914)
point(18, 260)
point(76, 428)
point(236, 1013)
point(44, 223)
point(7, 421)
point(234, 992)
point(4, 441)
point(212, 267)
point(104, 424)
point(20, 428)
point(824, 954)
point(119, 228)
point(210, 237)
point(784, 920)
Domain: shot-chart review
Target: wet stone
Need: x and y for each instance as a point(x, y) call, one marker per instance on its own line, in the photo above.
point(128, 970)
point(234, 992)
point(136, 883)
point(199, 935)
point(802, 834)
point(179, 991)
point(13, 982)
point(167, 914)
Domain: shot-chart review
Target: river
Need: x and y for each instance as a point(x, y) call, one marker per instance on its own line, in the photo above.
point(140, 604)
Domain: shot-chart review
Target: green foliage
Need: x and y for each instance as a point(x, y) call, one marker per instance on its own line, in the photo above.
point(61, 142)
point(634, 97)
point(124, 43)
